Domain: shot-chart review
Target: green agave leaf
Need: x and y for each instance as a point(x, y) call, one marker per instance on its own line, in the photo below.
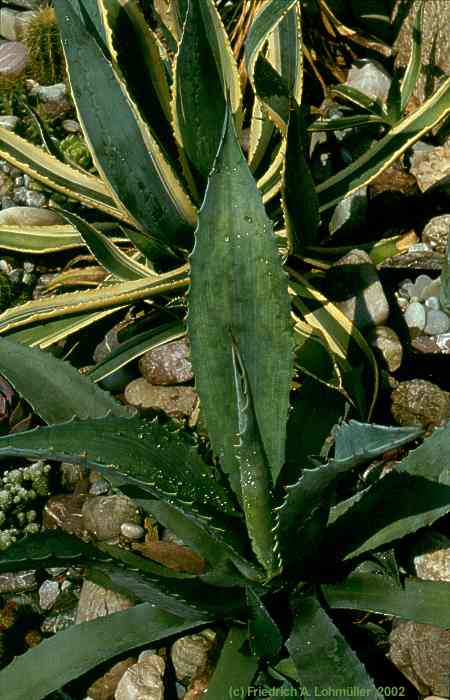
point(106, 252)
point(135, 347)
point(300, 202)
point(313, 356)
point(198, 98)
point(321, 655)
point(401, 137)
point(239, 288)
point(265, 638)
point(39, 239)
point(285, 51)
point(413, 68)
point(84, 646)
point(425, 602)
point(358, 98)
point(255, 476)
point(55, 389)
point(50, 144)
point(235, 668)
point(49, 548)
point(123, 149)
point(369, 440)
point(413, 495)
point(346, 122)
point(48, 170)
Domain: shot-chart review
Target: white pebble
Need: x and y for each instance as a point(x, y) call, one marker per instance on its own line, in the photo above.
point(415, 316)
point(132, 531)
point(437, 322)
point(432, 303)
point(420, 284)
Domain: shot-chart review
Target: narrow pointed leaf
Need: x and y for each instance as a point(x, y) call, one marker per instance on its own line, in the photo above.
point(369, 440)
point(39, 239)
point(84, 646)
point(321, 655)
point(55, 389)
point(235, 668)
point(358, 98)
point(413, 68)
point(239, 287)
point(265, 637)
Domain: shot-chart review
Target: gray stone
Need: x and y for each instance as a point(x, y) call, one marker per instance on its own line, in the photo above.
point(419, 402)
point(167, 364)
point(71, 126)
point(132, 531)
point(104, 515)
point(107, 345)
point(19, 181)
point(15, 583)
point(421, 653)
point(433, 289)
point(430, 552)
point(9, 121)
point(176, 401)
point(20, 195)
point(191, 654)
point(59, 621)
point(53, 98)
point(432, 303)
point(48, 594)
point(30, 216)
point(13, 59)
point(435, 48)
point(437, 322)
point(6, 185)
point(100, 487)
point(26, 4)
point(436, 232)
point(387, 343)
point(35, 199)
point(350, 214)
point(371, 78)
point(432, 167)
point(353, 284)
point(13, 23)
point(96, 601)
point(144, 680)
point(421, 283)
point(71, 474)
point(415, 316)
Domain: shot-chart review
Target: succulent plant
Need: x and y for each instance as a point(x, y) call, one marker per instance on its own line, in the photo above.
point(75, 149)
point(42, 38)
point(21, 492)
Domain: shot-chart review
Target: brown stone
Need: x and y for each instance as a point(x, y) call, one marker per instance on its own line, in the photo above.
point(13, 59)
point(96, 601)
point(431, 168)
point(104, 515)
point(177, 401)
point(419, 402)
point(65, 512)
point(175, 556)
point(105, 687)
point(143, 680)
point(394, 179)
point(167, 364)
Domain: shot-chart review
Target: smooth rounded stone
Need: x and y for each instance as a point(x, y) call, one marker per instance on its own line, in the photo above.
point(433, 289)
point(9, 122)
point(370, 77)
point(132, 531)
point(419, 285)
point(168, 364)
point(419, 402)
point(421, 653)
point(71, 126)
point(354, 285)
point(437, 322)
point(15, 583)
point(105, 687)
point(176, 401)
point(48, 594)
point(107, 345)
point(65, 511)
point(432, 167)
point(415, 316)
point(14, 23)
point(53, 98)
point(436, 232)
point(144, 680)
point(13, 59)
point(387, 342)
point(432, 303)
point(191, 654)
point(117, 381)
point(30, 216)
point(96, 601)
point(104, 515)
point(350, 214)
point(35, 199)
point(26, 4)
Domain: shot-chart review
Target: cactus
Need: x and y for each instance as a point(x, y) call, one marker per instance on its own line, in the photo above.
point(75, 149)
point(42, 38)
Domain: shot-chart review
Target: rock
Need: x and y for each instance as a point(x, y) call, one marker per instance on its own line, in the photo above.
point(144, 680)
point(432, 303)
point(432, 167)
point(191, 655)
point(59, 622)
point(167, 364)
point(105, 687)
point(104, 515)
point(9, 121)
point(26, 4)
point(96, 601)
point(100, 487)
point(414, 260)
point(13, 59)
point(371, 78)
point(35, 199)
point(15, 583)
point(387, 343)
point(48, 594)
point(6, 185)
point(394, 179)
point(420, 652)
point(353, 284)
point(419, 402)
point(53, 98)
point(436, 233)
point(422, 282)
point(30, 216)
point(109, 343)
point(350, 214)
point(65, 512)
point(177, 401)
point(415, 316)
point(430, 552)
point(13, 23)
point(435, 53)
point(437, 322)
point(71, 126)
point(71, 474)
point(132, 531)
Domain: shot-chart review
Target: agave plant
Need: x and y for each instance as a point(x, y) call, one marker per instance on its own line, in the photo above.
point(281, 550)
point(153, 160)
